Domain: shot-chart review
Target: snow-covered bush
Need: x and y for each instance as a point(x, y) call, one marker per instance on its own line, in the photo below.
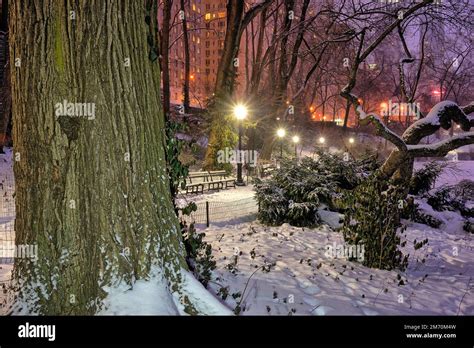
point(414, 213)
point(296, 190)
point(454, 197)
point(424, 178)
point(372, 219)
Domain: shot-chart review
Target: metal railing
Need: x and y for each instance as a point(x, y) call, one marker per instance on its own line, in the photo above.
point(7, 232)
point(215, 212)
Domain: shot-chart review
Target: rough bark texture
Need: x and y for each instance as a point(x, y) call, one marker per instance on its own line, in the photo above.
point(93, 194)
point(165, 53)
point(187, 60)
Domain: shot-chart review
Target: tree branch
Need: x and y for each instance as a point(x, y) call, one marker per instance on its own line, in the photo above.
point(254, 11)
point(441, 148)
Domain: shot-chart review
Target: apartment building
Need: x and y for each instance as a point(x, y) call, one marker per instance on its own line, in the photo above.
point(206, 23)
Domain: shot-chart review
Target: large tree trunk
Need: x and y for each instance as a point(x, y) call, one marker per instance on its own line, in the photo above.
point(91, 193)
point(187, 61)
point(165, 55)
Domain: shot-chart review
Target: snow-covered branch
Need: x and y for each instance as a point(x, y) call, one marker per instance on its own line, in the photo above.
point(382, 130)
point(443, 147)
point(442, 115)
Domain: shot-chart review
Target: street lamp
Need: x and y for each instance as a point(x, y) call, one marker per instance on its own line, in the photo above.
point(240, 112)
point(296, 140)
point(351, 140)
point(281, 134)
point(322, 140)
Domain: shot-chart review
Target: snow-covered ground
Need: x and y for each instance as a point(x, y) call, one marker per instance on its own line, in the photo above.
point(288, 270)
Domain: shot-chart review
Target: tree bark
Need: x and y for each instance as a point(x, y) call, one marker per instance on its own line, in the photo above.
point(165, 55)
point(187, 63)
point(91, 193)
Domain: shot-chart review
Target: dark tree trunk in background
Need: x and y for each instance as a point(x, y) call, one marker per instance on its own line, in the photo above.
point(165, 55)
point(187, 63)
point(221, 131)
point(92, 194)
point(5, 95)
point(4, 18)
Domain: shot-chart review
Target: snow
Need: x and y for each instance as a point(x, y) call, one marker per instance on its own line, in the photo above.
point(153, 297)
point(454, 173)
point(442, 143)
point(432, 117)
point(287, 270)
point(147, 297)
point(306, 281)
point(202, 299)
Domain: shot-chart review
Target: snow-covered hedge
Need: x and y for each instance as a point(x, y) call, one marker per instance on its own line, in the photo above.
point(296, 190)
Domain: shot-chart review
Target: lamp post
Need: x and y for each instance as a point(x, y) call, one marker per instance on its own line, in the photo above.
point(281, 134)
point(240, 112)
point(296, 140)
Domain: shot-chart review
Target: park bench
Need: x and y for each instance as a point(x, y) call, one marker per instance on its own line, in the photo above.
point(267, 169)
point(195, 182)
point(219, 179)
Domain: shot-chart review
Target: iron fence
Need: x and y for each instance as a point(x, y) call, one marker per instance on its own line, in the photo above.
point(214, 212)
point(7, 231)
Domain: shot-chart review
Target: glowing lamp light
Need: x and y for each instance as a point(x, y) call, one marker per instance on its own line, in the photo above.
point(322, 140)
point(240, 112)
point(351, 140)
point(296, 139)
point(281, 133)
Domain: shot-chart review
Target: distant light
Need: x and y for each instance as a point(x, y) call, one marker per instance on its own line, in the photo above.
point(281, 132)
point(296, 139)
point(322, 140)
point(311, 108)
point(351, 140)
point(240, 112)
point(360, 101)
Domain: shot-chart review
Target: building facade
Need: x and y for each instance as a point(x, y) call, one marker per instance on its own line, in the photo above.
point(206, 23)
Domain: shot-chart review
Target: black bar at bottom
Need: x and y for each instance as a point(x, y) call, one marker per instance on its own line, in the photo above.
point(417, 331)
